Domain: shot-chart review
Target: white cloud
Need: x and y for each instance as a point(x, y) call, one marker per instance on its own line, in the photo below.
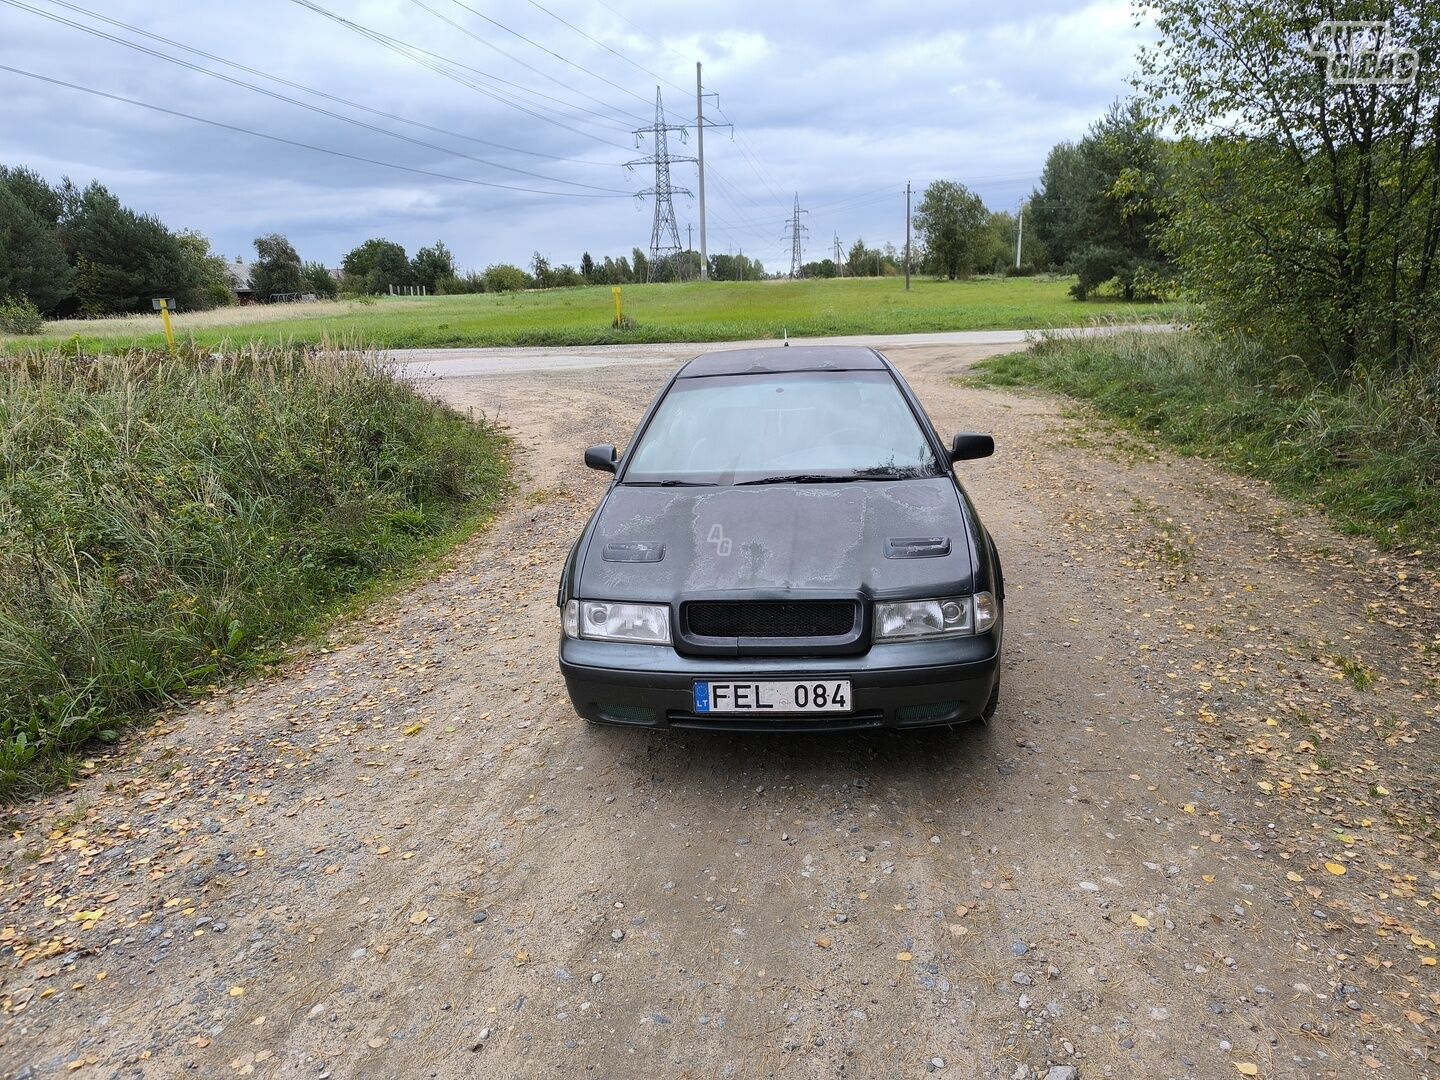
point(830, 101)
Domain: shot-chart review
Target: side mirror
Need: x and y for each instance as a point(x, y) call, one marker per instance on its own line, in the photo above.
point(602, 457)
point(968, 445)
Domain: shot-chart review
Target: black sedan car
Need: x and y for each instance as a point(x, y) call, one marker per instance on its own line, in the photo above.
point(785, 546)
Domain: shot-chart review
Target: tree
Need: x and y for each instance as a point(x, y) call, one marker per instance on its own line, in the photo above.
point(32, 262)
point(376, 265)
point(950, 224)
point(640, 265)
point(825, 268)
point(540, 268)
point(31, 189)
point(277, 268)
point(587, 266)
point(1306, 211)
point(122, 259)
point(432, 265)
point(1102, 204)
point(205, 276)
point(503, 277)
point(319, 281)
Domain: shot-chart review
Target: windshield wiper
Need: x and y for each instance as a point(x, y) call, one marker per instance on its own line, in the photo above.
point(668, 483)
point(813, 478)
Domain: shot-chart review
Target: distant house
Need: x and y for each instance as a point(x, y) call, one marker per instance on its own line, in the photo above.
point(240, 272)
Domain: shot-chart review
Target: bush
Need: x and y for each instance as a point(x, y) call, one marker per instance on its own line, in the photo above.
point(1367, 450)
point(502, 277)
point(167, 521)
point(20, 316)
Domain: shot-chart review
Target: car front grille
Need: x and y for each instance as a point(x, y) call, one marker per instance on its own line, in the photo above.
point(771, 618)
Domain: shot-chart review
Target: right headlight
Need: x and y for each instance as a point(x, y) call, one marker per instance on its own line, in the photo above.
point(645, 624)
point(956, 616)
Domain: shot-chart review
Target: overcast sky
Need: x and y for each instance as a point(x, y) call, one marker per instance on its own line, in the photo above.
point(842, 103)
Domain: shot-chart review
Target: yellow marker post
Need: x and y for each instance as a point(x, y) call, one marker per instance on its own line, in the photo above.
point(619, 318)
point(169, 330)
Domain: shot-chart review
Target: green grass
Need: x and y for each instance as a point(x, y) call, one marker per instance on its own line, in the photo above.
point(167, 522)
point(1367, 452)
point(716, 311)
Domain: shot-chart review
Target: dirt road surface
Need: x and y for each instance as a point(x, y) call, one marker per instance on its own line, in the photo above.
point(1196, 841)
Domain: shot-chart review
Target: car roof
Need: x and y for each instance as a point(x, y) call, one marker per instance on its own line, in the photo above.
point(772, 358)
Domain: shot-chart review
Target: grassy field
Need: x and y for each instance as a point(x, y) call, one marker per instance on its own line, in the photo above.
point(1367, 452)
point(165, 522)
point(717, 311)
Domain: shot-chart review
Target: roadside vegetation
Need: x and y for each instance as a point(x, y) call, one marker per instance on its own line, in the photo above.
point(715, 311)
point(166, 521)
point(1365, 449)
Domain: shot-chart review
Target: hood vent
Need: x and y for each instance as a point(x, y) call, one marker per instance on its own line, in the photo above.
point(917, 547)
point(634, 551)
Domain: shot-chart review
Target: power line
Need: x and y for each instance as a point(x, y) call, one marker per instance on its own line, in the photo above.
point(312, 90)
point(302, 145)
point(534, 44)
point(302, 104)
point(607, 48)
point(448, 68)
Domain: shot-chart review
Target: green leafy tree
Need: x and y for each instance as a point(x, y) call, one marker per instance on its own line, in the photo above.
point(540, 269)
point(1103, 204)
point(277, 269)
point(587, 266)
point(503, 277)
point(1306, 211)
point(32, 262)
point(122, 259)
point(640, 265)
point(950, 223)
point(376, 265)
point(205, 280)
point(319, 281)
point(432, 265)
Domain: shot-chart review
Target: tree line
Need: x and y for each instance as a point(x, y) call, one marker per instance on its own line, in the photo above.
point(1296, 205)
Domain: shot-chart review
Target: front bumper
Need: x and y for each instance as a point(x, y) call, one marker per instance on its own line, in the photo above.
point(897, 685)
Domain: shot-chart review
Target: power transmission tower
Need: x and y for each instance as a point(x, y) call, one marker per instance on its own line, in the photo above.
point(795, 232)
point(665, 232)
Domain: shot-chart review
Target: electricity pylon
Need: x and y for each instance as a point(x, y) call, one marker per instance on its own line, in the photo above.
point(665, 232)
point(794, 232)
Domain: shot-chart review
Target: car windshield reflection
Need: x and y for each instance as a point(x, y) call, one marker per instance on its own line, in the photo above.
point(781, 428)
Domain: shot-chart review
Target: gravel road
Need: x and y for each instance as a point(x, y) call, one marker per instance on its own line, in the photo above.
point(1196, 841)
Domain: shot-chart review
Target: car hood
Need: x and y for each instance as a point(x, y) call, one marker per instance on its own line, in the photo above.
point(664, 544)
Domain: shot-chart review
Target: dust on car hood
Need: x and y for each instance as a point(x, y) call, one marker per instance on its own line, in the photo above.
point(827, 538)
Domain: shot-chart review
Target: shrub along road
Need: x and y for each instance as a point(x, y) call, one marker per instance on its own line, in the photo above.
point(1195, 839)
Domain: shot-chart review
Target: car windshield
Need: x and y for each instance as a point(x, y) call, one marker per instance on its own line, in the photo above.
point(782, 427)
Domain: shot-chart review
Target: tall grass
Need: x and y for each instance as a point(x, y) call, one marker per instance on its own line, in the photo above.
point(164, 520)
point(1366, 450)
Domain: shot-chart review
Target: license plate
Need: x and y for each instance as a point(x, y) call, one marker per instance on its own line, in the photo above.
point(807, 696)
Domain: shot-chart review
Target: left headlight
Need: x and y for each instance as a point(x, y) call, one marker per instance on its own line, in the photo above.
point(956, 616)
point(645, 624)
